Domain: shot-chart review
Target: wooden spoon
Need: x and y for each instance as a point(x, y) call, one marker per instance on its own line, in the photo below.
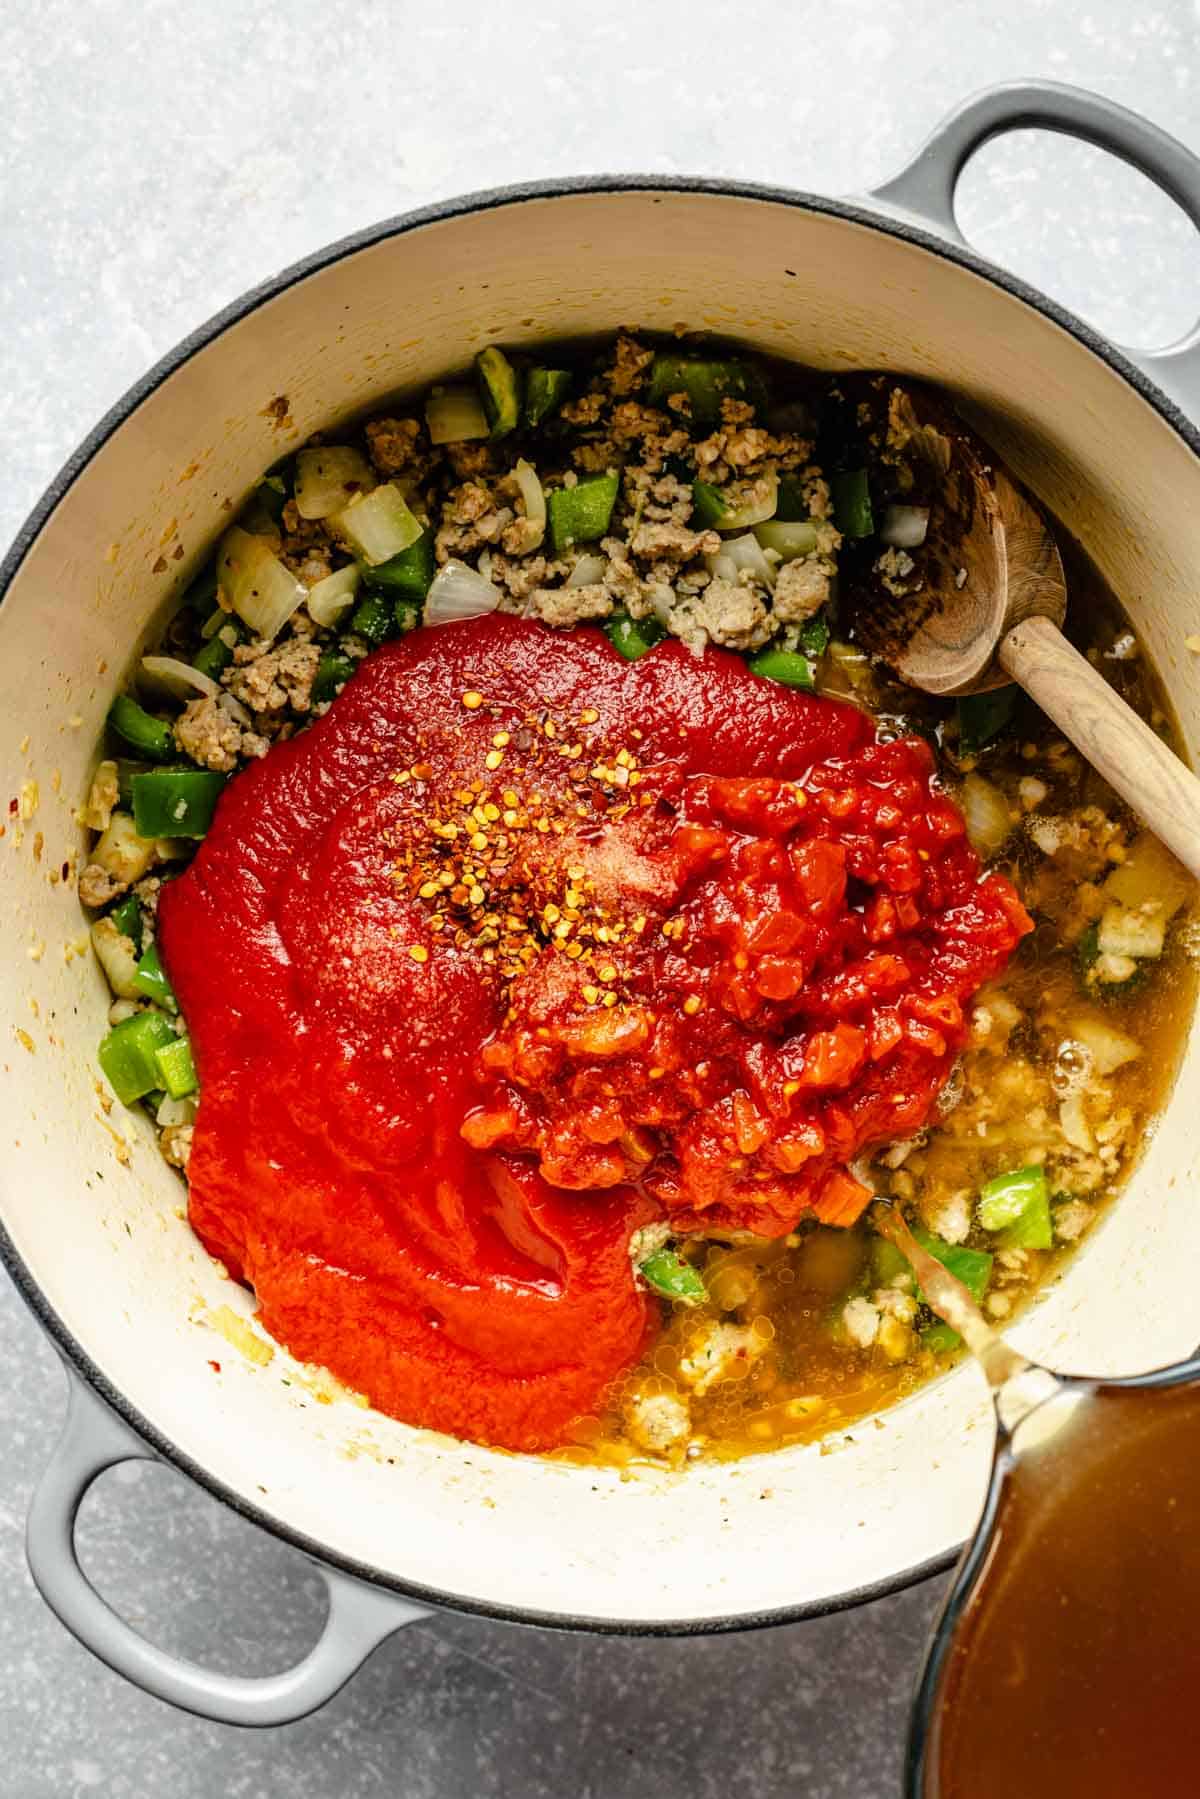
point(980, 603)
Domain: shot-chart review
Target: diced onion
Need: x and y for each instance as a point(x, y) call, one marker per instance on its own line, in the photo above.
point(176, 1111)
point(459, 591)
point(750, 508)
point(235, 709)
point(379, 525)
point(1074, 1121)
point(1108, 1047)
point(179, 680)
point(121, 852)
point(741, 554)
point(262, 592)
point(985, 809)
point(904, 527)
point(1149, 875)
point(117, 957)
point(454, 414)
point(329, 477)
point(331, 598)
point(789, 538)
point(588, 571)
point(533, 497)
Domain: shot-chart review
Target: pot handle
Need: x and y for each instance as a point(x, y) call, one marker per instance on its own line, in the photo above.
point(360, 1616)
point(924, 190)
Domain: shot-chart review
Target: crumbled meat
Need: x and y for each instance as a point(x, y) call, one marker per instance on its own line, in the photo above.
point(471, 459)
point(659, 497)
point(393, 444)
point(268, 681)
point(523, 535)
point(669, 542)
point(646, 1240)
point(148, 890)
point(586, 410)
point(97, 886)
point(896, 1303)
point(470, 519)
point(653, 433)
point(893, 568)
point(658, 1422)
point(739, 447)
point(627, 371)
point(860, 1321)
point(711, 1356)
point(521, 578)
point(209, 735)
point(176, 1144)
point(565, 606)
point(802, 587)
point(1072, 1219)
point(728, 613)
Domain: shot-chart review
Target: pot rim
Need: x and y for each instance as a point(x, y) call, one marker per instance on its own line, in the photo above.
point(77, 1360)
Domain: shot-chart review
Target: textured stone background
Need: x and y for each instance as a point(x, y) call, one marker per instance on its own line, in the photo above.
point(156, 159)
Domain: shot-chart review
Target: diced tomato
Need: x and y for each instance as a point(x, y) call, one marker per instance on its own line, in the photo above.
point(841, 1200)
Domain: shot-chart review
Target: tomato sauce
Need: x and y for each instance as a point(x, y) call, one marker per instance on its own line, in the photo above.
point(522, 947)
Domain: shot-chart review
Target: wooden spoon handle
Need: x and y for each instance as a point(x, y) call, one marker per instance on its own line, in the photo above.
point(1159, 787)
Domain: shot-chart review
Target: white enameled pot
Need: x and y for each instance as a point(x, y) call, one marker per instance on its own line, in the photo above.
point(396, 1518)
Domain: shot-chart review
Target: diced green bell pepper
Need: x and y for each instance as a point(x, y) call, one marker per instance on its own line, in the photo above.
point(973, 1267)
point(814, 635)
point(127, 916)
point(175, 802)
point(1034, 1231)
point(545, 391)
point(151, 979)
point(982, 716)
point(1087, 953)
point(632, 637)
point(886, 1260)
point(272, 495)
point(708, 506)
point(852, 512)
point(333, 671)
point(499, 389)
point(940, 1338)
point(787, 667)
point(581, 514)
point(126, 769)
point(706, 382)
point(151, 737)
point(668, 1273)
point(201, 596)
point(127, 1055)
point(409, 574)
point(790, 503)
point(1018, 1204)
point(214, 657)
point(176, 1069)
point(372, 619)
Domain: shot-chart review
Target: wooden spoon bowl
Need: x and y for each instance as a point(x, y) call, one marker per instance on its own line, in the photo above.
point(981, 601)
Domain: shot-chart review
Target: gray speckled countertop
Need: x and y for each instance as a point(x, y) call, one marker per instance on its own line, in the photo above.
point(159, 158)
